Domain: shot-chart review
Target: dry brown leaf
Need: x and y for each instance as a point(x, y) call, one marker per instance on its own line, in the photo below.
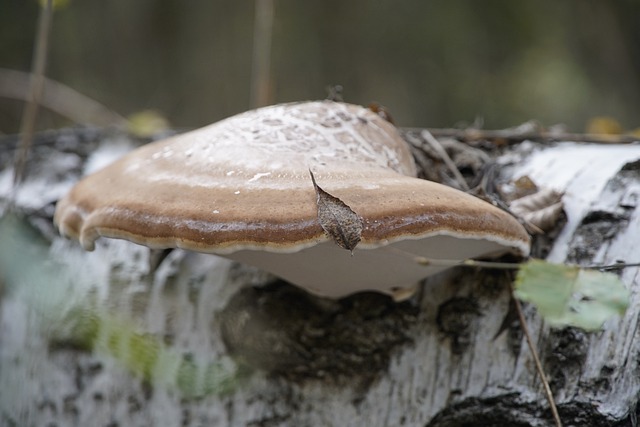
point(545, 218)
point(542, 209)
point(339, 221)
point(536, 201)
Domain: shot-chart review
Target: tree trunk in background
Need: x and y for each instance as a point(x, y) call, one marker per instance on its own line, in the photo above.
point(450, 357)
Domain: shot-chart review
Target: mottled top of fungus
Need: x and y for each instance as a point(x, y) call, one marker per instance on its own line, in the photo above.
point(241, 187)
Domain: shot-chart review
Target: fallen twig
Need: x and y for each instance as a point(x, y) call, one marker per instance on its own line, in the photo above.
point(435, 144)
point(37, 79)
point(261, 60)
point(59, 98)
point(525, 132)
point(536, 359)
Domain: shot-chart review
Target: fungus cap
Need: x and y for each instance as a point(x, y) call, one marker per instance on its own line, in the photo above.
point(241, 188)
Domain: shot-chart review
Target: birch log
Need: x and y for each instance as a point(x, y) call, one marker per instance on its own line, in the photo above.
point(449, 357)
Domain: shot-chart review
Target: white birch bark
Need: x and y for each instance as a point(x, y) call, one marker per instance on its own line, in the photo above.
point(447, 368)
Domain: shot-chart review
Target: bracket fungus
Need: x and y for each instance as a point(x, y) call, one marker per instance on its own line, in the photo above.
point(241, 188)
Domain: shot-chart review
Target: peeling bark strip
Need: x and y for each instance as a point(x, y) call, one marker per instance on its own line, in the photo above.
point(339, 221)
point(425, 367)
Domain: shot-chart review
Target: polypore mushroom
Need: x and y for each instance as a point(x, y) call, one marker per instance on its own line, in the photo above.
point(241, 188)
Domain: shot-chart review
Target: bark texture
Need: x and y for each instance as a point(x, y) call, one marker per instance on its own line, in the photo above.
point(451, 356)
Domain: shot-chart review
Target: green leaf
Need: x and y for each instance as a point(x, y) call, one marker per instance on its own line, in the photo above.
point(571, 296)
point(47, 287)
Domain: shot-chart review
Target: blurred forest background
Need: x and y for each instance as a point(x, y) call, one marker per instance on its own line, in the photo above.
point(432, 63)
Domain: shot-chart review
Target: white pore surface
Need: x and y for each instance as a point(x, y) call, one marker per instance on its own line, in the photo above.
point(328, 270)
point(581, 171)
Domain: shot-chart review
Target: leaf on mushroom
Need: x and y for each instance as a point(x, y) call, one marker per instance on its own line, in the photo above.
point(337, 219)
point(571, 296)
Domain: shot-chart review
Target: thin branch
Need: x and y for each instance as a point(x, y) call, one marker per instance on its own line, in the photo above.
point(536, 359)
point(59, 98)
point(467, 263)
point(454, 262)
point(261, 63)
point(437, 262)
point(527, 131)
point(611, 267)
point(37, 80)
